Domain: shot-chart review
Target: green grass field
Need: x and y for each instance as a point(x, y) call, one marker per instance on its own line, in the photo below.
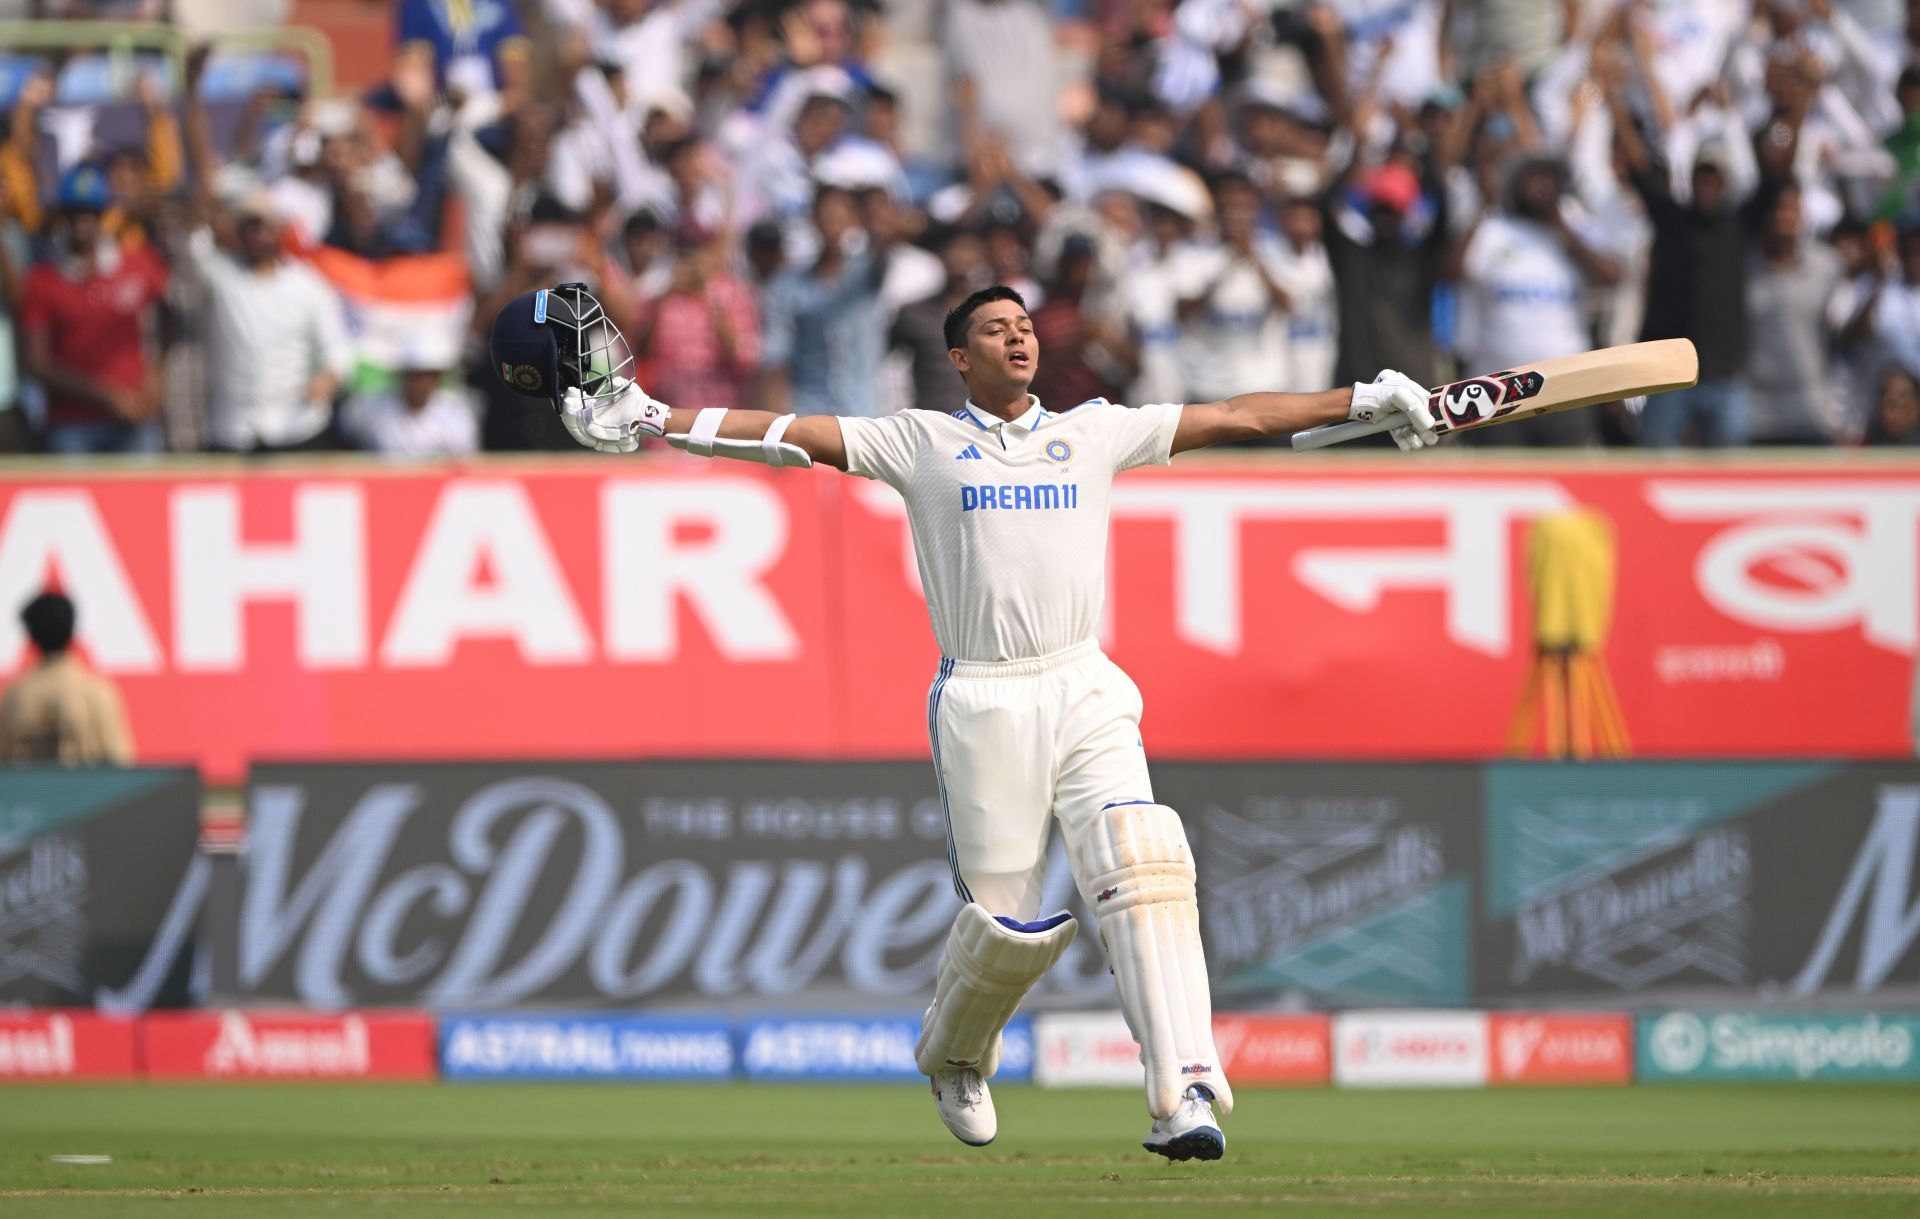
point(853, 1152)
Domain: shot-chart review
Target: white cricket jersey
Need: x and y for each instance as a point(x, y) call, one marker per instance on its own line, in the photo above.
point(1527, 295)
point(1010, 519)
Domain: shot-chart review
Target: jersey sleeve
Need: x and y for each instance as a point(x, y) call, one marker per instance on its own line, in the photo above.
point(884, 448)
point(1140, 435)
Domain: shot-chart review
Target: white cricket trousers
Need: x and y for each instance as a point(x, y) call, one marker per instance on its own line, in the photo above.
point(1019, 743)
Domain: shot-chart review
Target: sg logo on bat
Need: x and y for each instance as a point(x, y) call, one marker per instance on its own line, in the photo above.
point(1482, 398)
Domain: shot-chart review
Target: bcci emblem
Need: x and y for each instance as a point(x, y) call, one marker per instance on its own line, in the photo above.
point(523, 377)
point(1059, 450)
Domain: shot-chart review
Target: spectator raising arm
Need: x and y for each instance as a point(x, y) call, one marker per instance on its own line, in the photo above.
point(17, 177)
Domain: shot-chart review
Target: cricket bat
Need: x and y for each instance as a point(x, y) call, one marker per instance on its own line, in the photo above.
point(1606, 375)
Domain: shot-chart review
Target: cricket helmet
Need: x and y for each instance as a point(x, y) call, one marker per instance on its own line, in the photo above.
point(547, 342)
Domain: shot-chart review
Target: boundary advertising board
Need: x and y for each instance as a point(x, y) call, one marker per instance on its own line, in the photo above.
point(362, 612)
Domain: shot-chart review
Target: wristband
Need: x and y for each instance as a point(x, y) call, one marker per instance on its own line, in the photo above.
point(706, 425)
point(770, 445)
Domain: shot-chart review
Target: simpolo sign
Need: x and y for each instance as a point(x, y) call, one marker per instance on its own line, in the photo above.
point(1793, 1046)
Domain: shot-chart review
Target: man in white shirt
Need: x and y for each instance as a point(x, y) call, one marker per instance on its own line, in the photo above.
point(1232, 311)
point(419, 416)
point(1173, 202)
point(276, 339)
point(1525, 273)
point(1030, 723)
point(1302, 270)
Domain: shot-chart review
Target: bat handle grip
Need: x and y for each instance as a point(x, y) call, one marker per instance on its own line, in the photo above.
point(1334, 433)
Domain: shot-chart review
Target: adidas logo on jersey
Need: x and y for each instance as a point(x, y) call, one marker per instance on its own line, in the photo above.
point(970, 453)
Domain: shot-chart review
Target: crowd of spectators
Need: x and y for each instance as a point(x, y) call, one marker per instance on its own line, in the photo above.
point(780, 199)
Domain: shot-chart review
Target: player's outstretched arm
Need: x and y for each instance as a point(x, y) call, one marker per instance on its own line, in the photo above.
point(1256, 416)
point(616, 424)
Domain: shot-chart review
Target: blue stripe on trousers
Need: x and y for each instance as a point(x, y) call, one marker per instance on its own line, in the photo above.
point(939, 776)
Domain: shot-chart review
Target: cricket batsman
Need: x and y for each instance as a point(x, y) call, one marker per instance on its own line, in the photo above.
point(1029, 721)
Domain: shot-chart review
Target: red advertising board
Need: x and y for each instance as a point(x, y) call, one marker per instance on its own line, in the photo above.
point(584, 608)
point(1274, 1049)
point(1560, 1048)
point(41, 1044)
point(236, 1044)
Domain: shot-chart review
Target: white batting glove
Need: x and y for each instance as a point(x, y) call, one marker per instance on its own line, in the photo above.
point(1396, 394)
point(613, 425)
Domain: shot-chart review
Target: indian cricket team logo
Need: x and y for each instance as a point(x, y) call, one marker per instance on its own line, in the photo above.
point(521, 376)
point(1059, 451)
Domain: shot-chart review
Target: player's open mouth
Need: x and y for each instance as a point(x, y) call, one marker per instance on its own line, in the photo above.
point(1019, 357)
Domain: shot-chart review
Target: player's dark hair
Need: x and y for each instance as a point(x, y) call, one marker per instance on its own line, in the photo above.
point(962, 313)
point(49, 621)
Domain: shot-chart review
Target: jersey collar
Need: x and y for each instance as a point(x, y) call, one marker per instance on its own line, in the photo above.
point(1034, 416)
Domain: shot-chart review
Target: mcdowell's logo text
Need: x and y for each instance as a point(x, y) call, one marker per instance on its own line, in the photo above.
point(1682, 913)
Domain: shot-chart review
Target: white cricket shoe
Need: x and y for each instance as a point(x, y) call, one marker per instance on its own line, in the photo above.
point(1192, 1133)
point(965, 1105)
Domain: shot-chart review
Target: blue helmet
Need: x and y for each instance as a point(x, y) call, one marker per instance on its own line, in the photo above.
point(84, 189)
point(547, 342)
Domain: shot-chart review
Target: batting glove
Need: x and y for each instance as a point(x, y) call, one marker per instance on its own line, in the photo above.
point(1396, 394)
point(613, 424)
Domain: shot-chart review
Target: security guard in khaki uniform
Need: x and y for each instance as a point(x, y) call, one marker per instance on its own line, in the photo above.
point(59, 711)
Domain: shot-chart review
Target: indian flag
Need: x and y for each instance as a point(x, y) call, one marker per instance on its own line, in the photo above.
point(400, 310)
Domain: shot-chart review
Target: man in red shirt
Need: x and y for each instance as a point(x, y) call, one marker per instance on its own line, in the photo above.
point(702, 336)
point(1086, 357)
point(86, 320)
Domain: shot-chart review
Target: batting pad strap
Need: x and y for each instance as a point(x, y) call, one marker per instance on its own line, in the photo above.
point(989, 966)
point(1135, 855)
point(706, 425)
point(1136, 870)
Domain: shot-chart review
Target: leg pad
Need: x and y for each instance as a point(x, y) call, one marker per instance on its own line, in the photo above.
point(1137, 874)
point(989, 966)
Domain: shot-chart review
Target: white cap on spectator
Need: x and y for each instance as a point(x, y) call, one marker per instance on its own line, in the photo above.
point(258, 203)
point(1302, 105)
point(232, 180)
point(858, 165)
point(426, 353)
point(1713, 154)
point(334, 116)
point(827, 81)
point(1173, 187)
point(670, 100)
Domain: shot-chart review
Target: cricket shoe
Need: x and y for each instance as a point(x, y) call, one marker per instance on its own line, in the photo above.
point(1191, 1133)
point(965, 1105)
